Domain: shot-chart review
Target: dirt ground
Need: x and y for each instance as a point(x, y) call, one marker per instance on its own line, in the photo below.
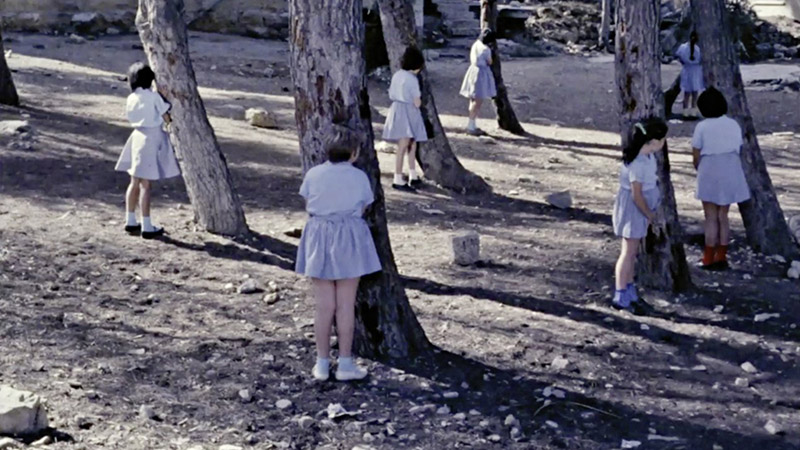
point(102, 324)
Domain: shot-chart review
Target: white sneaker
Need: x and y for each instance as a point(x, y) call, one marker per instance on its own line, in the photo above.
point(321, 372)
point(351, 373)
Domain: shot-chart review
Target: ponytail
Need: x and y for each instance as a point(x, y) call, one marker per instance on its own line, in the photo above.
point(693, 38)
point(650, 129)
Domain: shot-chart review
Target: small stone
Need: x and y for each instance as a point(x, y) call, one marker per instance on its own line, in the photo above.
point(559, 363)
point(269, 72)
point(283, 404)
point(644, 327)
point(385, 147)
point(551, 424)
point(763, 317)
point(8, 443)
point(494, 438)
point(747, 276)
point(111, 31)
point(11, 128)
point(75, 39)
point(513, 192)
point(245, 395)
point(483, 423)
point(368, 437)
point(524, 179)
point(229, 287)
point(474, 412)
point(305, 422)
point(515, 433)
point(260, 118)
point(148, 412)
point(294, 232)
point(718, 309)
point(699, 368)
point(272, 298)
point(793, 272)
point(47, 440)
point(778, 258)
point(741, 382)
point(487, 141)
point(443, 410)
point(748, 367)
point(230, 447)
point(511, 421)
point(561, 200)
point(450, 395)
point(21, 412)
point(773, 427)
point(630, 444)
point(466, 248)
point(248, 287)
point(84, 422)
point(460, 416)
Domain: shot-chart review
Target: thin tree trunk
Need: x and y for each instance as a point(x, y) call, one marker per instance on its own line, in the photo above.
point(763, 218)
point(436, 157)
point(672, 94)
point(506, 118)
point(605, 25)
point(662, 259)
point(330, 89)
point(208, 181)
point(8, 93)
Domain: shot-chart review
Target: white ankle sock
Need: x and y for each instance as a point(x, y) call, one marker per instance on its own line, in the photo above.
point(398, 179)
point(412, 174)
point(147, 225)
point(130, 219)
point(345, 363)
point(471, 124)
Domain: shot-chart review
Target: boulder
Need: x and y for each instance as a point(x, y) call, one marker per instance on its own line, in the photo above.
point(12, 128)
point(89, 23)
point(261, 118)
point(21, 412)
point(466, 248)
point(561, 200)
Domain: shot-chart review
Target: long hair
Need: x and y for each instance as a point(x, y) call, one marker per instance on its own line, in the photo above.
point(693, 38)
point(650, 129)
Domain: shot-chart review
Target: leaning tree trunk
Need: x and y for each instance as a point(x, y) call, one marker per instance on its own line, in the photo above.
point(330, 89)
point(208, 181)
point(662, 259)
point(8, 93)
point(437, 159)
point(506, 119)
point(763, 218)
point(605, 25)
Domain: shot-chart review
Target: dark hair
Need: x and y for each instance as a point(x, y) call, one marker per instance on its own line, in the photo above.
point(712, 103)
point(340, 151)
point(412, 59)
point(488, 37)
point(693, 38)
point(650, 129)
point(140, 75)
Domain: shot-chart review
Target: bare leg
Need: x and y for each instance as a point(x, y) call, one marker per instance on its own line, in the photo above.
point(724, 225)
point(325, 295)
point(144, 197)
point(475, 108)
point(132, 195)
point(711, 226)
point(346, 314)
point(402, 148)
point(686, 98)
point(695, 95)
point(412, 155)
point(624, 270)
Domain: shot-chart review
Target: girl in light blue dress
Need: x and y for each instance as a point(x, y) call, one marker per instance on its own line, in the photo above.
point(404, 123)
point(335, 251)
point(479, 83)
point(691, 75)
point(635, 205)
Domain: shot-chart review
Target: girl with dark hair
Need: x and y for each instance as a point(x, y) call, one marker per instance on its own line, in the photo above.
point(635, 205)
point(148, 155)
point(716, 145)
point(404, 122)
point(336, 249)
point(479, 83)
point(691, 75)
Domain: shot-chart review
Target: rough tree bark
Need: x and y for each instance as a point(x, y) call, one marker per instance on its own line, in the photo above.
point(8, 93)
point(437, 159)
point(605, 25)
point(208, 181)
point(763, 218)
point(506, 118)
point(330, 89)
point(672, 94)
point(662, 259)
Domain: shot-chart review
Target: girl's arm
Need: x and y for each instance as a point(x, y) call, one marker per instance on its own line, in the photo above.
point(640, 202)
point(417, 101)
point(696, 157)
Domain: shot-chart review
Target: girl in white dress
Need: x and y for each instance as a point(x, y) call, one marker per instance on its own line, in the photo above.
point(691, 75)
point(479, 83)
point(148, 155)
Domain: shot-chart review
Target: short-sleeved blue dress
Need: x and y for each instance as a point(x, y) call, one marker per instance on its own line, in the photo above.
point(629, 221)
point(404, 120)
point(692, 72)
point(336, 243)
point(479, 81)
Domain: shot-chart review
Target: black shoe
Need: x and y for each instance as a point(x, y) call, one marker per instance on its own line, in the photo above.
point(642, 308)
point(133, 230)
point(403, 187)
point(415, 183)
point(721, 266)
point(153, 234)
point(619, 307)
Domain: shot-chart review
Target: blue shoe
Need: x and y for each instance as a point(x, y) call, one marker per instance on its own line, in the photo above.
point(621, 300)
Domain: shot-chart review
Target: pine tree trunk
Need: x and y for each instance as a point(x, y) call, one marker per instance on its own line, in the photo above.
point(437, 159)
point(208, 181)
point(8, 93)
point(672, 94)
point(767, 231)
point(506, 118)
point(605, 25)
point(662, 258)
point(328, 72)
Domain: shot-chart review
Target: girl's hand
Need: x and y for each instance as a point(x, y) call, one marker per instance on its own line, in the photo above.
point(418, 102)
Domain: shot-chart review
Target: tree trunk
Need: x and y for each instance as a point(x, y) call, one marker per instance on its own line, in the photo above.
point(767, 231)
point(672, 94)
point(208, 181)
point(506, 119)
point(330, 89)
point(662, 259)
point(8, 93)
point(437, 159)
point(605, 25)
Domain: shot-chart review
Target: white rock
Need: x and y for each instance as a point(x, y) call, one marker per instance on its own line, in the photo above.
point(229, 447)
point(763, 317)
point(747, 276)
point(558, 393)
point(551, 424)
point(21, 412)
point(474, 412)
point(305, 422)
point(718, 309)
point(773, 427)
point(283, 404)
point(511, 421)
point(450, 394)
point(655, 437)
point(75, 39)
point(248, 287)
point(561, 200)
point(466, 248)
point(385, 147)
point(84, 17)
point(460, 416)
point(741, 382)
point(796, 265)
point(644, 327)
point(778, 258)
point(748, 367)
point(559, 363)
point(494, 438)
point(261, 118)
point(368, 437)
point(47, 440)
point(8, 443)
point(630, 444)
point(793, 272)
point(443, 410)
point(10, 128)
point(272, 298)
point(484, 140)
point(245, 395)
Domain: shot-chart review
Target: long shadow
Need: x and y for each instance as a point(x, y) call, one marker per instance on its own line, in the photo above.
point(280, 254)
